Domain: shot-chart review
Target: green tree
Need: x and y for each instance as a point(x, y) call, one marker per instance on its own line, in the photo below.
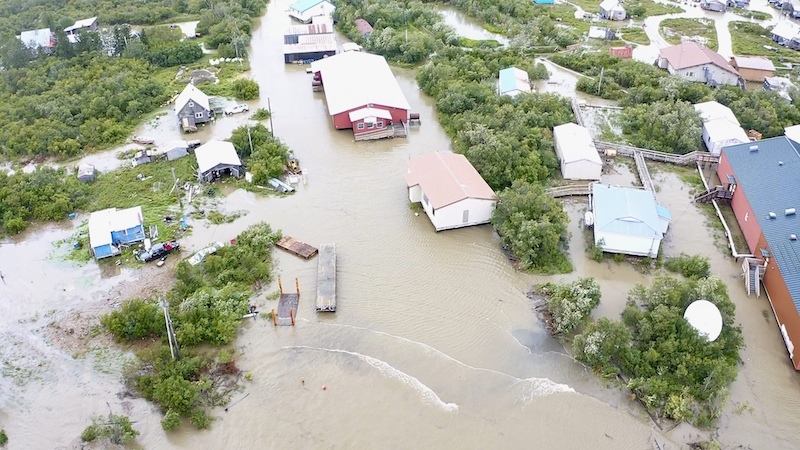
point(569, 304)
point(666, 126)
point(244, 89)
point(533, 226)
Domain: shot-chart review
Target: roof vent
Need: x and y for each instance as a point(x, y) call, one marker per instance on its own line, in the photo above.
point(790, 212)
point(753, 148)
point(772, 215)
point(793, 237)
point(780, 163)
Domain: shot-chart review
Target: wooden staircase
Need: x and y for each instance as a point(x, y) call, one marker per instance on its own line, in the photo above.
point(753, 270)
point(714, 193)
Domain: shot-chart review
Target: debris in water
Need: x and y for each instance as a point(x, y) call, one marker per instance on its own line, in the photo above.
point(324, 387)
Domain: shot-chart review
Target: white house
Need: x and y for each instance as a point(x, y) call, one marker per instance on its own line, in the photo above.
point(693, 62)
point(576, 152)
point(42, 38)
point(216, 159)
point(627, 220)
point(304, 10)
point(612, 10)
point(513, 81)
point(721, 128)
point(452, 192)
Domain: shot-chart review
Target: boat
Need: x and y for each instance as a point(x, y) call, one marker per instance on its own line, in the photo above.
point(144, 140)
point(198, 257)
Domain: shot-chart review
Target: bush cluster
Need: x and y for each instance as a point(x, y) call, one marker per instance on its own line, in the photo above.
point(570, 304)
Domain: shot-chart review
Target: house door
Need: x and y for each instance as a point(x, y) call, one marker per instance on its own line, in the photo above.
point(465, 218)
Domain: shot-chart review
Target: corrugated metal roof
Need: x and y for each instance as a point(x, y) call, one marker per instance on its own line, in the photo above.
point(191, 93)
point(447, 178)
point(575, 143)
point(714, 110)
point(754, 62)
point(625, 211)
point(310, 43)
point(37, 38)
point(513, 79)
point(214, 153)
point(363, 113)
point(769, 179)
point(663, 212)
point(102, 223)
point(84, 23)
point(305, 5)
point(723, 130)
point(356, 79)
point(692, 54)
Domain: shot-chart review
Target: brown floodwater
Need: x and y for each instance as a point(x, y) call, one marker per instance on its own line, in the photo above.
point(434, 344)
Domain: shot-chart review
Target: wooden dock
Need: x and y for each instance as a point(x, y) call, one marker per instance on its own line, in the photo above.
point(326, 278)
point(296, 247)
point(287, 306)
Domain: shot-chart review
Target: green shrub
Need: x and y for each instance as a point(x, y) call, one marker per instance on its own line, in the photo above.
point(261, 114)
point(3, 438)
point(244, 89)
point(117, 429)
point(136, 319)
point(695, 266)
point(171, 420)
point(595, 251)
point(569, 304)
point(200, 419)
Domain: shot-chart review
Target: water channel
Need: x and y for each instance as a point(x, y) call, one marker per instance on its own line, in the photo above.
point(434, 345)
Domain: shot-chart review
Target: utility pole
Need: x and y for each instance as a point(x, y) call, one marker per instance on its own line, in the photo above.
point(250, 139)
point(269, 108)
point(173, 342)
point(600, 82)
point(175, 187)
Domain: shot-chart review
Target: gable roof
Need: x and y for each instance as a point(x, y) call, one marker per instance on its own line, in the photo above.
point(363, 113)
point(357, 79)
point(723, 131)
point(84, 23)
point(513, 79)
point(771, 187)
point(608, 5)
point(754, 62)
point(575, 144)
point(712, 110)
point(42, 37)
point(214, 153)
point(305, 5)
point(446, 178)
point(786, 29)
point(625, 211)
point(692, 54)
point(191, 93)
point(102, 223)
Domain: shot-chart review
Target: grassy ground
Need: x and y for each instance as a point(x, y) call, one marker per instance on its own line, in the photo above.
point(637, 35)
point(651, 8)
point(749, 14)
point(750, 39)
point(566, 14)
point(674, 29)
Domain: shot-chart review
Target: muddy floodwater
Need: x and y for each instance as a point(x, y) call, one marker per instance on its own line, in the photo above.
point(434, 344)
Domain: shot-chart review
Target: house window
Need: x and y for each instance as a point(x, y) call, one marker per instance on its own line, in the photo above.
point(689, 74)
point(191, 104)
point(361, 126)
point(198, 115)
point(380, 124)
point(370, 125)
point(425, 199)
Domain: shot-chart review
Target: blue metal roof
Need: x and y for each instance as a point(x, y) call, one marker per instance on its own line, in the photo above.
point(769, 178)
point(509, 81)
point(663, 212)
point(305, 5)
point(625, 211)
point(544, 2)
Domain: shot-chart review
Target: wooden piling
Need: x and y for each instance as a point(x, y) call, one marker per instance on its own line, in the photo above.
point(297, 285)
point(274, 317)
point(291, 315)
point(280, 285)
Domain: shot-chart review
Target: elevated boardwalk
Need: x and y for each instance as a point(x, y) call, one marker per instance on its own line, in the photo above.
point(287, 306)
point(682, 160)
point(573, 190)
point(296, 247)
point(391, 131)
point(576, 110)
point(644, 173)
point(326, 278)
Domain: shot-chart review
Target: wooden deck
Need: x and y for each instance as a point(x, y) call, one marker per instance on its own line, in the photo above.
point(326, 278)
point(296, 247)
point(287, 306)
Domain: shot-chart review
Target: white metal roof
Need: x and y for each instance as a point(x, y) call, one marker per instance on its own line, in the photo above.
point(754, 62)
point(723, 130)
point(37, 38)
point(608, 5)
point(363, 113)
point(214, 153)
point(786, 29)
point(351, 47)
point(356, 79)
point(102, 223)
point(793, 133)
point(84, 23)
point(575, 143)
point(310, 43)
point(191, 93)
point(714, 110)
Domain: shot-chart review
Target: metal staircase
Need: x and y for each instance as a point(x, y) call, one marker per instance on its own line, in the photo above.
point(714, 193)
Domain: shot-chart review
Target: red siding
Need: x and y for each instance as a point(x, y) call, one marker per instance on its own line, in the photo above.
point(741, 208)
point(781, 300)
point(386, 124)
point(341, 121)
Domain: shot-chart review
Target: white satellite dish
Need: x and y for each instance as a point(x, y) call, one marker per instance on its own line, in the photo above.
point(705, 317)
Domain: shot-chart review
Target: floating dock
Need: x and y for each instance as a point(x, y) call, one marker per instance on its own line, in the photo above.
point(287, 306)
point(326, 278)
point(296, 247)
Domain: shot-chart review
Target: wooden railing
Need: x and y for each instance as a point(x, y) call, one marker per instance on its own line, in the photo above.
point(683, 160)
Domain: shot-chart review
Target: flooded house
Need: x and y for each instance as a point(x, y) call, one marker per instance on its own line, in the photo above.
point(217, 159)
point(601, 33)
point(363, 95)
point(720, 126)
point(714, 5)
point(576, 152)
point(452, 193)
point(111, 229)
point(612, 10)
point(193, 108)
point(307, 43)
point(787, 34)
point(627, 220)
point(753, 68)
point(512, 82)
point(622, 52)
point(765, 206)
point(305, 10)
point(173, 150)
point(694, 62)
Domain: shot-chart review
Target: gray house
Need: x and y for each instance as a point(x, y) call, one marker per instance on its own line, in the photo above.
point(714, 5)
point(217, 159)
point(192, 108)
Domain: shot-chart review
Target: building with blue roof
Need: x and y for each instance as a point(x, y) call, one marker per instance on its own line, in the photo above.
point(544, 2)
point(627, 220)
point(764, 177)
point(513, 82)
point(304, 10)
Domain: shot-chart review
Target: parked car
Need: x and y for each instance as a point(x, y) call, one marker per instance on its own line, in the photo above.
point(144, 140)
point(158, 251)
point(242, 107)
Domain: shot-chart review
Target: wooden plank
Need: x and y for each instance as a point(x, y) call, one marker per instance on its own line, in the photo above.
point(326, 278)
point(287, 305)
point(296, 247)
